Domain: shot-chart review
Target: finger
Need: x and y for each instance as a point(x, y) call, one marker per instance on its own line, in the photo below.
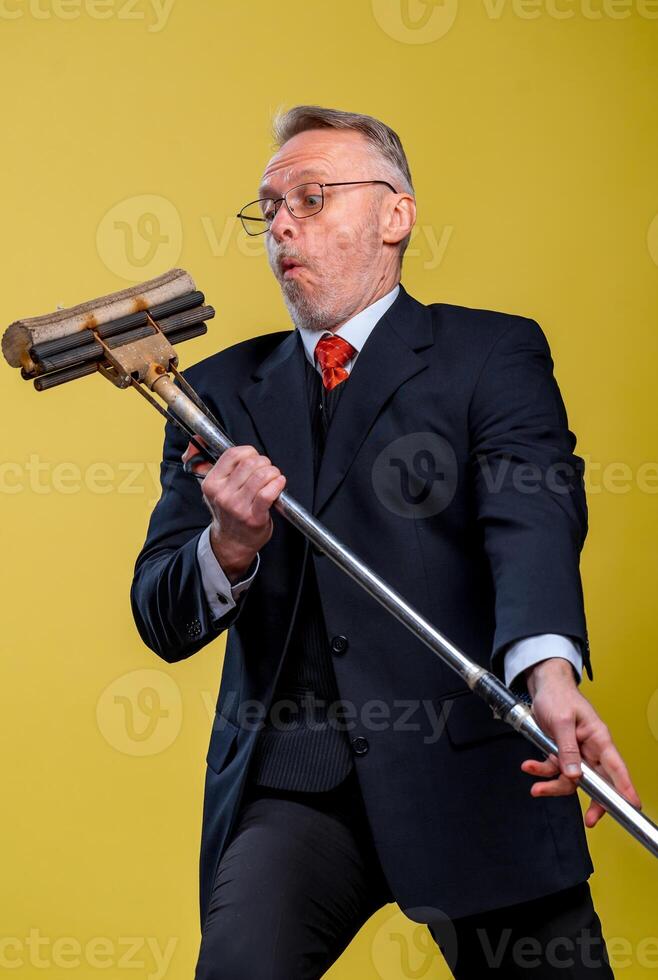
point(197, 466)
point(259, 476)
point(595, 810)
point(194, 462)
point(231, 459)
point(550, 764)
point(562, 786)
point(192, 449)
point(239, 476)
point(612, 766)
point(266, 496)
point(594, 813)
point(534, 767)
point(564, 732)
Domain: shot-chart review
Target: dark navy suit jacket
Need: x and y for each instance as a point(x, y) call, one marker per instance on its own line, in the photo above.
point(449, 469)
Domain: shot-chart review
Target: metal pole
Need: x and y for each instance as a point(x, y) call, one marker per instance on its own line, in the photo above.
point(482, 682)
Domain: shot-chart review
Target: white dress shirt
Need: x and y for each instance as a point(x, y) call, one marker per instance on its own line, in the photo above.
point(222, 596)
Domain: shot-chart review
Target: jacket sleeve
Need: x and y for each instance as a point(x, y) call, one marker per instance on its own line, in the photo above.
point(167, 596)
point(529, 492)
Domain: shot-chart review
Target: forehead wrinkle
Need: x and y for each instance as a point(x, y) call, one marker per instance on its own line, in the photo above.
point(294, 176)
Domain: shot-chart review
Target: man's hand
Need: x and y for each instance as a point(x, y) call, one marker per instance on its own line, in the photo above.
point(562, 712)
point(239, 490)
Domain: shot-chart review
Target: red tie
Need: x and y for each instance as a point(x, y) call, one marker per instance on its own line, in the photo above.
point(333, 353)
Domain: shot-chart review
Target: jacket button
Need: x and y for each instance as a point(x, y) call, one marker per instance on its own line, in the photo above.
point(194, 628)
point(360, 745)
point(339, 644)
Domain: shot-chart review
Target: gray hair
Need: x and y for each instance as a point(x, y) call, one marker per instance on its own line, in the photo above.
point(383, 140)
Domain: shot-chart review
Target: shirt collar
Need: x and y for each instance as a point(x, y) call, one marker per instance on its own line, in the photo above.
point(356, 331)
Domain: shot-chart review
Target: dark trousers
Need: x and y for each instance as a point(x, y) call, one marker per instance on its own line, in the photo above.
point(300, 876)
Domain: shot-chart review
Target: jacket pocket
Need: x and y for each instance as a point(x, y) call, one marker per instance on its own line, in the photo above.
point(469, 720)
point(222, 746)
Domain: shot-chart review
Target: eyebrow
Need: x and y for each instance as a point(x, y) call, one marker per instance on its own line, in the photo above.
point(266, 188)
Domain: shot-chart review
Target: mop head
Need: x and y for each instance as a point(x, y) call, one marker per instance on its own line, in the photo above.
point(64, 345)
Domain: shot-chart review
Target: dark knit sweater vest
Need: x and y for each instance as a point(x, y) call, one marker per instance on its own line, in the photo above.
point(302, 745)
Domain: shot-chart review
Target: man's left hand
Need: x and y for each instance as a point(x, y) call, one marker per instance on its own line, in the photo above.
point(563, 713)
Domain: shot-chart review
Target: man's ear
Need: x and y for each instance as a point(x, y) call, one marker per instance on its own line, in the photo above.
point(400, 219)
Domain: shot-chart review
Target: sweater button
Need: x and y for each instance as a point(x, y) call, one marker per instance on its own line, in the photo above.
point(360, 745)
point(339, 644)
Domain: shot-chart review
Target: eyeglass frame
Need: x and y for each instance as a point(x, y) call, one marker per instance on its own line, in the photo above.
point(278, 201)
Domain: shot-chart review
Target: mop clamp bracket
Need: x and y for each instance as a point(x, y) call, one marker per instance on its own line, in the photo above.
point(142, 361)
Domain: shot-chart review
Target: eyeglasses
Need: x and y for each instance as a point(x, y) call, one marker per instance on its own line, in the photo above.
point(302, 201)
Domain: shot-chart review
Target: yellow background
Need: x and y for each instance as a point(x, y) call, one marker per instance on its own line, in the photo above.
point(131, 138)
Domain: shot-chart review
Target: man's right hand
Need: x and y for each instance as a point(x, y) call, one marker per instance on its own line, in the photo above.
point(239, 490)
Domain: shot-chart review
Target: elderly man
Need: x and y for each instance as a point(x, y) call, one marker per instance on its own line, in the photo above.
point(347, 767)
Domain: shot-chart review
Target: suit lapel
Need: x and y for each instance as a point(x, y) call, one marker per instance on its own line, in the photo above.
point(278, 403)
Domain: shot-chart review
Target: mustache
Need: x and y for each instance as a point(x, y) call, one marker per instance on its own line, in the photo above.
point(277, 255)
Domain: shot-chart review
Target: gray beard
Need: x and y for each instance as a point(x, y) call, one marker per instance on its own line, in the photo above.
point(307, 315)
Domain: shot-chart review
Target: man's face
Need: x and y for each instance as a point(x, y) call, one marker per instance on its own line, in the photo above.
point(334, 263)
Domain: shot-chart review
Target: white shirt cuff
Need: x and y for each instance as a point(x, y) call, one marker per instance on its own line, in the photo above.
point(531, 649)
point(221, 595)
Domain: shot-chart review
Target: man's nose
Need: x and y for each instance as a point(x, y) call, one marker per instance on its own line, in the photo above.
point(283, 225)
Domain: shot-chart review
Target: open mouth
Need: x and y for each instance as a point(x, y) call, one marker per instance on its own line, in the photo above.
point(289, 267)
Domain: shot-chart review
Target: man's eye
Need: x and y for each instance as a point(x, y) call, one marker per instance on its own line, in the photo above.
point(312, 200)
